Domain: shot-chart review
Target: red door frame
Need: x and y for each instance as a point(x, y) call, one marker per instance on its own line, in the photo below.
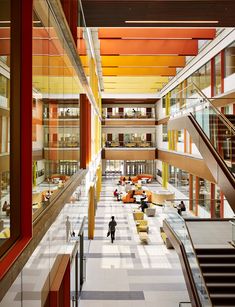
point(21, 33)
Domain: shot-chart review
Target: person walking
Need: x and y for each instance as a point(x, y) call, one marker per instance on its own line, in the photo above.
point(112, 228)
point(68, 228)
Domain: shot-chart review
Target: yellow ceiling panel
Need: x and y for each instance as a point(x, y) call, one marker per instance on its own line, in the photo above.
point(139, 71)
point(143, 61)
point(130, 91)
point(136, 79)
point(142, 85)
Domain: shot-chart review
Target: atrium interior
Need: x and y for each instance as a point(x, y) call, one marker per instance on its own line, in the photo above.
point(117, 113)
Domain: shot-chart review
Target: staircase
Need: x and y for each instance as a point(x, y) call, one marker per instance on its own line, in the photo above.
point(218, 270)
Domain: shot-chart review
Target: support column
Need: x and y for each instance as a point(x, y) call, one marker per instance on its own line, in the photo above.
point(99, 183)
point(89, 131)
point(197, 187)
point(190, 192)
point(85, 138)
point(212, 200)
point(164, 174)
point(91, 213)
point(221, 205)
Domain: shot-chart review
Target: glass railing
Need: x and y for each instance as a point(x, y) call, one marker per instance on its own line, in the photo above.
point(136, 115)
point(133, 144)
point(62, 144)
point(63, 115)
point(179, 228)
point(218, 129)
point(233, 231)
point(201, 208)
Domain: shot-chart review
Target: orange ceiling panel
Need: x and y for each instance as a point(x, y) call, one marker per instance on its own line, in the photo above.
point(145, 47)
point(143, 60)
point(139, 71)
point(156, 33)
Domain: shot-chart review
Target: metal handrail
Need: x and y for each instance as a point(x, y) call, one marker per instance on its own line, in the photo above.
point(227, 122)
point(182, 220)
point(82, 226)
point(190, 238)
point(205, 98)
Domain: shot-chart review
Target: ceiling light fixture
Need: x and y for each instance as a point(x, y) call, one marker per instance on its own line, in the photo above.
point(172, 21)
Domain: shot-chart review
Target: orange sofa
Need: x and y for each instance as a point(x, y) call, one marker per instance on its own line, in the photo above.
point(129, 199)
point(138, 177)
point(60, 176)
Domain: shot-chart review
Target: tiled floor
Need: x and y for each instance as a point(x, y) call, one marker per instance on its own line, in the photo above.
point(129, 273)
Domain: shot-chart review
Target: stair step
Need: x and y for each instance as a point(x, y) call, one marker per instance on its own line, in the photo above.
point(225, 265)
point(216, 258)
point(219, 277)
point(217, 267)
point(219, 274)
point(221, 284)
point(222, 295)
point(215, 251)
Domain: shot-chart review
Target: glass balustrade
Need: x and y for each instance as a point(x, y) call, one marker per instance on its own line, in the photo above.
point(218, 129)
point(177, 224)
point(134, 144)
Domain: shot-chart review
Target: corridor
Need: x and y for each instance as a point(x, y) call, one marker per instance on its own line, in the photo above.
point(129, 272)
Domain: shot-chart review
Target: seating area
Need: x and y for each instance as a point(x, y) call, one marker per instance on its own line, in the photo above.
point(165, 239)
point(129, 197)
point(138, 177)
point(141, 226)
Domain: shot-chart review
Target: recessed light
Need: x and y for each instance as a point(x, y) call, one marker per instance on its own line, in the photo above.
point(172, 21)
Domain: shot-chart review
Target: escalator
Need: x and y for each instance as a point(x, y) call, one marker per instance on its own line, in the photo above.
point(214, 135)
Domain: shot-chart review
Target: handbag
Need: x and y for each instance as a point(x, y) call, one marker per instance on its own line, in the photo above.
point(108, 233)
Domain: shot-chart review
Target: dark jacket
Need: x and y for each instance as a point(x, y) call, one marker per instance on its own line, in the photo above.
point(112, 225)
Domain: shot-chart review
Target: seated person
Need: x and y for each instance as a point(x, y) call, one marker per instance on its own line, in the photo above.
point(181, 207)
point(143, 206)
point(47, 195)
point(144, 201)
point(117, 194)
point(129, 179)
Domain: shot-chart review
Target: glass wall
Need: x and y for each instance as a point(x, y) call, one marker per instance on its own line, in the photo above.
point(4, 121)
point(179, 179)
point(129, 140)
point(230, 60)
point(126, 112)
point(56, 91)
point(217, 75)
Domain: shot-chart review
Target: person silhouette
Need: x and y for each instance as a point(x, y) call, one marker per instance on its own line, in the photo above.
point(68, 228)
point(112, 228)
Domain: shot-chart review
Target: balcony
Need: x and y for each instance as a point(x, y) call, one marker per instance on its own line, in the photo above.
point(62, 144)
point(134, 115)
point(134, 144)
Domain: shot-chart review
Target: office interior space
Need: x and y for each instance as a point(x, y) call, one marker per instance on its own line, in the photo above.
point(124, 109)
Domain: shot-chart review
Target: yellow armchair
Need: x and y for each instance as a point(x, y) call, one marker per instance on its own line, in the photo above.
point(142, 226)
point(138, 216)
